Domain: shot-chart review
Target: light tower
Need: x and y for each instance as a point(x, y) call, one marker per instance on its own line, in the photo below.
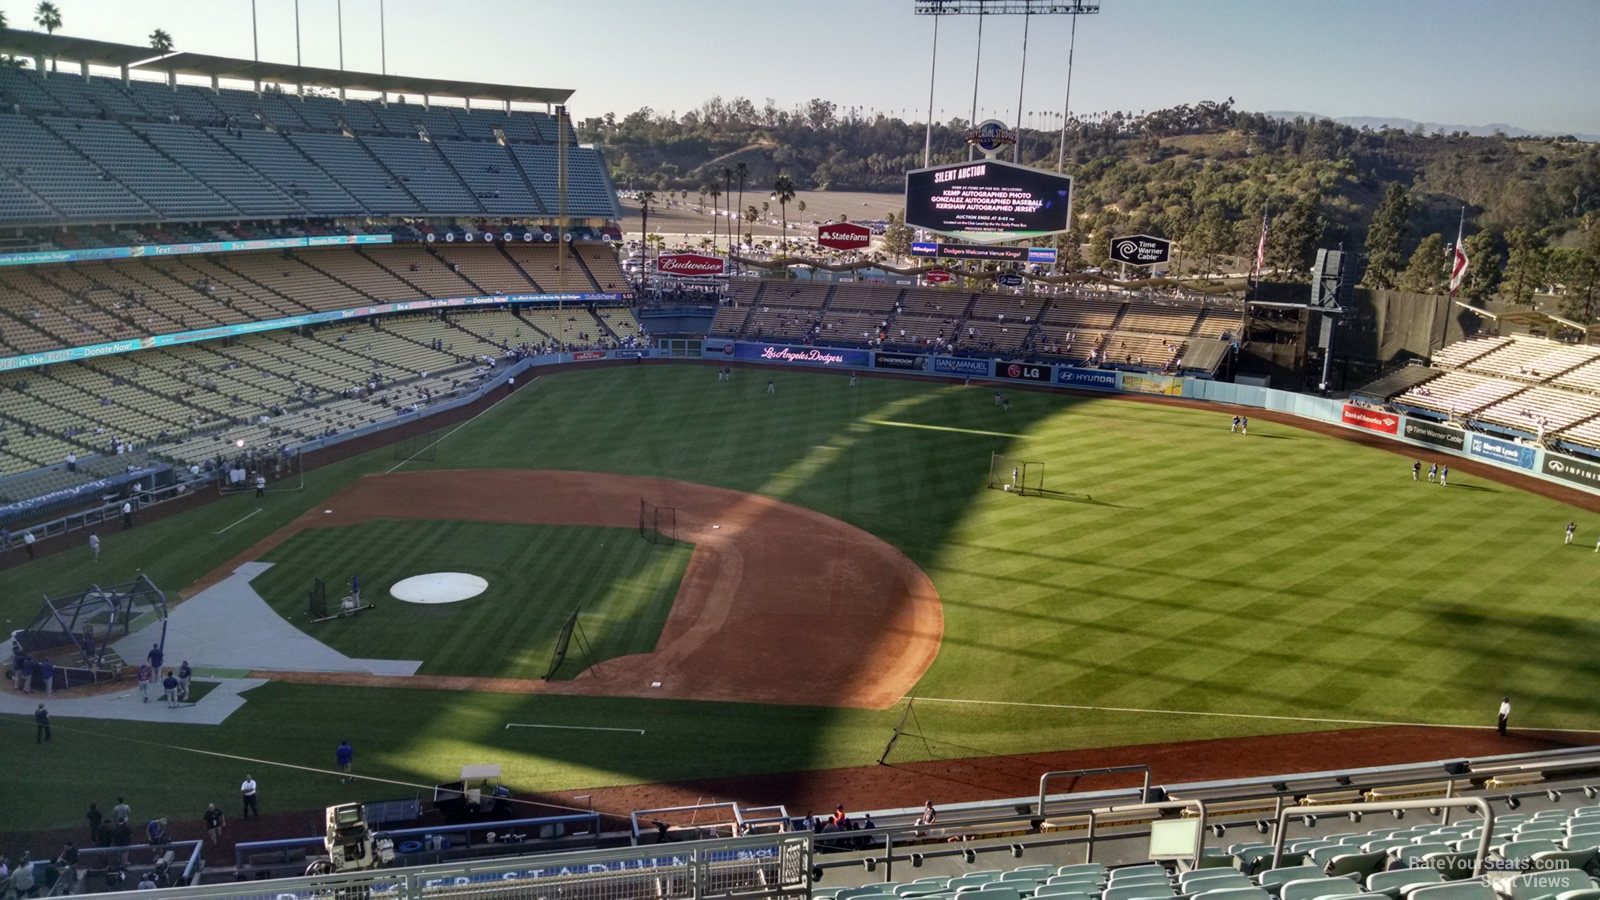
point(981, 8)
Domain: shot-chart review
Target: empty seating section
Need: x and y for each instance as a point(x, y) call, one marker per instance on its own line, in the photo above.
point(788, 311)
point(1458, 393)
point(170, 189)
point(1218, 323)
point(878, 299)
point(422, 171)
point(493, 176)
point(59, 176)
point(292, 172)
point(487, 268)
point(1583, 378)
point(349, 164)
point(589, 192)
point(1540, 410)
point(225, 173)
point(1532, 359)
point(420, 268)
point(729, 321)
point(603, 265)
point(1460, 353)
point(541, 263)
point(360, 272)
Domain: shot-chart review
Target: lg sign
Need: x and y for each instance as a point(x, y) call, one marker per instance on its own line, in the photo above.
point(685, 265)
point(1023, 372)
point(844, 236)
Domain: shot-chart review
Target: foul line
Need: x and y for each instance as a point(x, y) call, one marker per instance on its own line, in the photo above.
point(240, 519)
point(391, 469)
point(1225, 715)
point(942, 428)
point(510, 725)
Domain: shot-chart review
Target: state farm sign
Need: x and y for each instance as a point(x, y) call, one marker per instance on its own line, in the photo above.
point(844, 236)
point(690, 265)
point(1370, 419)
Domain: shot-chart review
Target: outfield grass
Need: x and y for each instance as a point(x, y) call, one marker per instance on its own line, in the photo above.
point(538, 575)
point(1185, 568)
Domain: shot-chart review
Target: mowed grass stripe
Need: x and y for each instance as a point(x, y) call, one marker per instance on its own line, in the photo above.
point(538, 575)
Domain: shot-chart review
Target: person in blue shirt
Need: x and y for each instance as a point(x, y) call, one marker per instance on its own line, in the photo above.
point(346, 757)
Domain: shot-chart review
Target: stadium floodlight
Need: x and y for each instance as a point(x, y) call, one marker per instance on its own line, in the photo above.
point(981, 8)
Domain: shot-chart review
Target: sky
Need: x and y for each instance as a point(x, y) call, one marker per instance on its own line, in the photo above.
point(1529, 63)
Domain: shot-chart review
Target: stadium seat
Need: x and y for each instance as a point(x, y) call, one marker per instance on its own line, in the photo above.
point(1357, 865)
point(1579, 895)
point(1581, 858)
point(1235, 893)
point(1126, 872)
point(1151, 891)
point(1082, 869)
point(974, 879)
point(1081, 878)
point(1190, 880)
point(1416, 852)
point(1461, 890)
point(995, 891)
point(1312, 888)
point(1067, 891)
point(1454, 864)
point(1399, 881)
point(1276, 878)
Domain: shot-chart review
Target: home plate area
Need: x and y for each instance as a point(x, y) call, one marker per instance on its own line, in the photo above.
point(438, 587)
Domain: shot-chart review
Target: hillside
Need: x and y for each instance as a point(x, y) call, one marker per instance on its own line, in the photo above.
point(1201, 174)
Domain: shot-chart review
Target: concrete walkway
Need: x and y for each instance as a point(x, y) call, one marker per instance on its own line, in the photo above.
point(212, 709)
point(229, 626)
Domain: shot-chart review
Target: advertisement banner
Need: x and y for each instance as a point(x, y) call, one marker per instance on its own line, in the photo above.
point(1370, 419)
point(1574, 470)
point(89, 254)
point(1439, 435)
point(1496, 450)
point(588, 355)
point(844, 236)
point(690, 265)
point(902, 361)
point(1044, 255)
point(802, 356)
point(1140, 250)
point(1093, 379)
point(951, 365)
point(1152, 384)
point(988, 202)
point(1023, 371)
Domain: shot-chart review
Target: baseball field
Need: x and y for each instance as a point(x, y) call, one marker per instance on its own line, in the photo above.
point(838, 550)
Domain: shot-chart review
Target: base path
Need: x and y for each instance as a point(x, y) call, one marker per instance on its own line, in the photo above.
point(778, 604)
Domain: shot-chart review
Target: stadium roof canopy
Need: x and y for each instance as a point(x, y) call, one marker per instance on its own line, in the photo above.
point(106, 53)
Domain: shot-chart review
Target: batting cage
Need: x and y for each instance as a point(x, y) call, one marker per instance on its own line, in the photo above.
point(658, 524)
point(77, 632)
point(1016, 475)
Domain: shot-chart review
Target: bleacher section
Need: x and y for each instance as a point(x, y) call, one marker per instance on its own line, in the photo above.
point(190, 403)
point(1526, 387)
point(98, 150)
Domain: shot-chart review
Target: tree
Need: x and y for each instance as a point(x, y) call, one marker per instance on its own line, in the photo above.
point(1582, 299)
point(716, 194)
point(751, 215)
point(1294, 235)
point(1526, 262)
point(647, 199)
point(801, 207)
point(1426, 274)
point(1386, 237)
point(740, 171)
point(160, 41)
point(897, 236)
point(727, 191)
point(48, 17)
point(1484, 263)
point(1212, 237)
point(783, 192)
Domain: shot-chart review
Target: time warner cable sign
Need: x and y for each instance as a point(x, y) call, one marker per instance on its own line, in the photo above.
point(988, 202)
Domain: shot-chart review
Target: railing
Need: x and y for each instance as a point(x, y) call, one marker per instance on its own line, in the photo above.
point(748, 867)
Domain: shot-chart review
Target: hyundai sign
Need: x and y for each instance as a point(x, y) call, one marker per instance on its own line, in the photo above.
point(988, 202)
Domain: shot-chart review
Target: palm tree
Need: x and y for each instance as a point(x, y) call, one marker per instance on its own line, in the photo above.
point(716, 194)
point(727, 187)
point(160, 41)
point(739, 172)
point(751, 214)
point(46, 16)
point(647, 199)
point(783, 192)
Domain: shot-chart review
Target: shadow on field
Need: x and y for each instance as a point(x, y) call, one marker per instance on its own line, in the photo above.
point(1048, 494)
point(1482, 489)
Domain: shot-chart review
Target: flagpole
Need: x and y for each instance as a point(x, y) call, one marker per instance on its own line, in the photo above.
point(1457, 251)
point(1261, 253)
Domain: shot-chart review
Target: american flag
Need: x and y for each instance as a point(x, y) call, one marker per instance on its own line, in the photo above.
point(1261, 246)
point(1459, 262)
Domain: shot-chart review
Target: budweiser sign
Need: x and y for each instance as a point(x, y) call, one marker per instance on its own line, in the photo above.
point(1370, 419)
point(690, 264)
point(812, 355)
point(844, 236)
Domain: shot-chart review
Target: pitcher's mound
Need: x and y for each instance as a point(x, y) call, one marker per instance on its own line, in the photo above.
point(438, 587)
